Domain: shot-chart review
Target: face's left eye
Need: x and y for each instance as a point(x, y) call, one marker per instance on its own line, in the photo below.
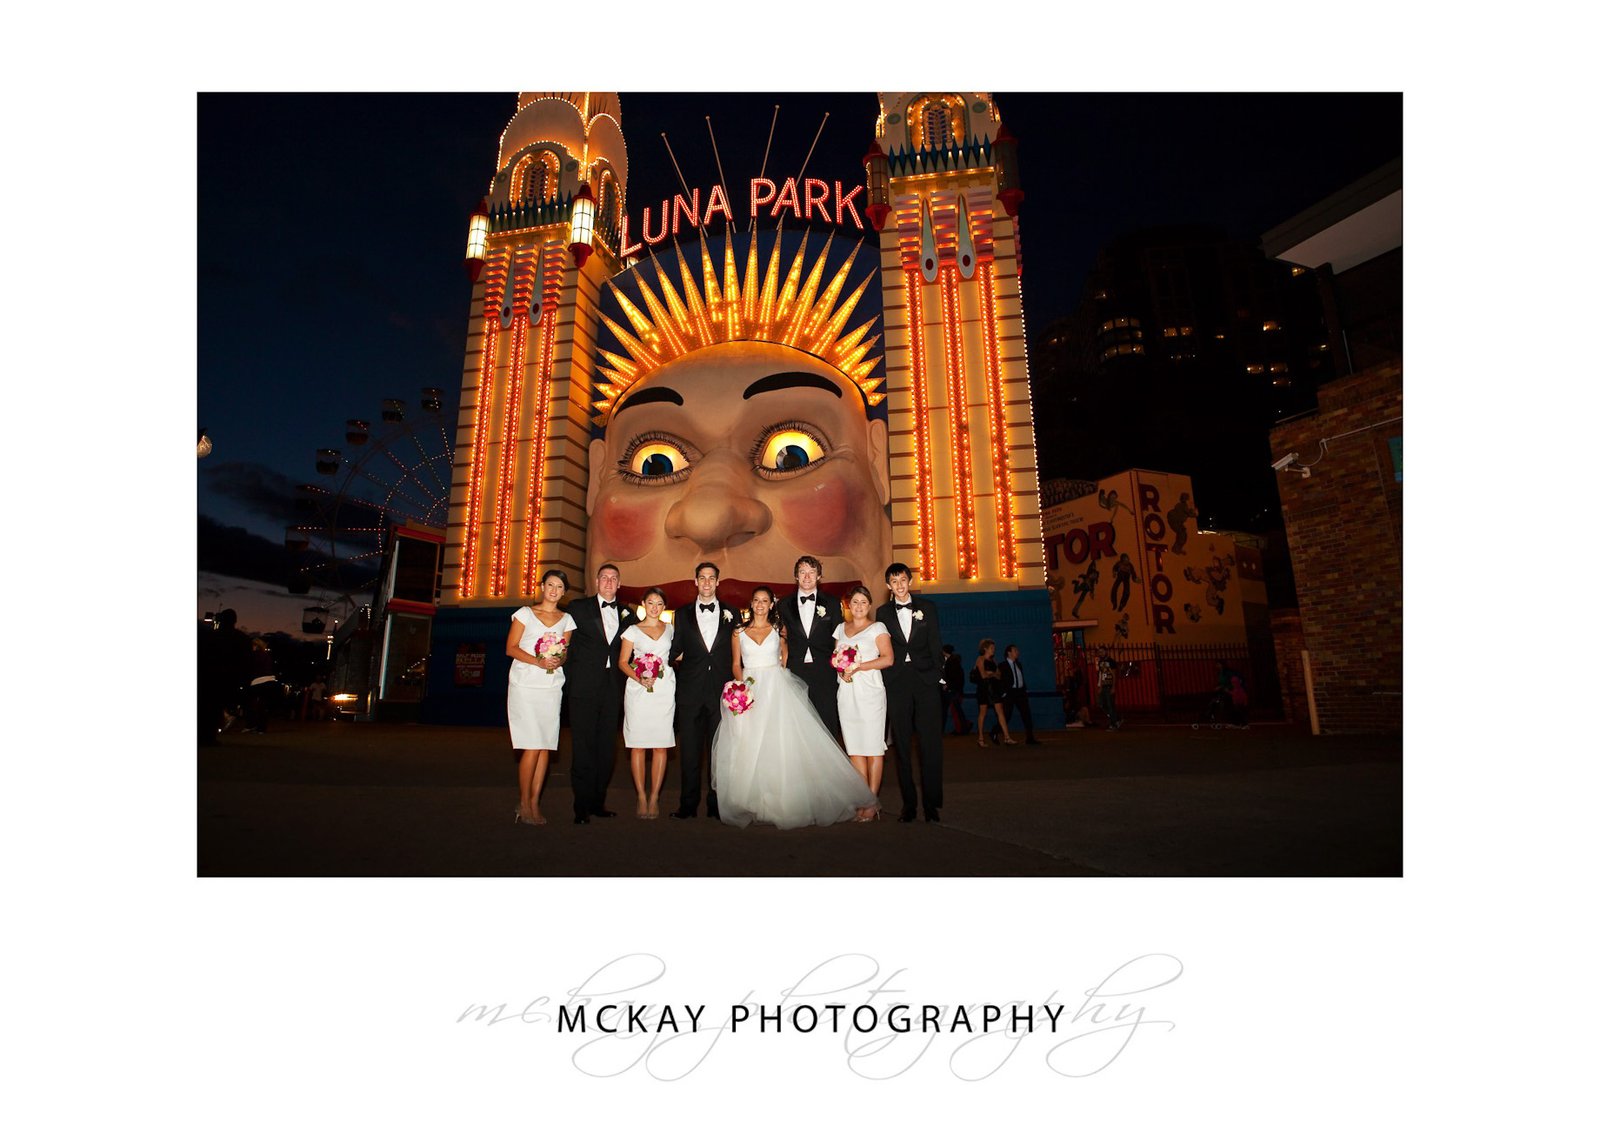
point(788, 449)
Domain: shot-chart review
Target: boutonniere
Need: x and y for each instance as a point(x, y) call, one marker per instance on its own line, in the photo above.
point(727, 615)
point(822, 612)
point(917, 615)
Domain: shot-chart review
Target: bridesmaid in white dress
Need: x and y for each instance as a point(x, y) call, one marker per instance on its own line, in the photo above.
point(777, 762)
point(533, 692)
point(647, 709)
point(863, 702)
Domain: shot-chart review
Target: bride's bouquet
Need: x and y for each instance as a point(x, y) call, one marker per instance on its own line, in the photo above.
point(843, 658)
point(648, 668)
point(550, 646)
point(737, 696)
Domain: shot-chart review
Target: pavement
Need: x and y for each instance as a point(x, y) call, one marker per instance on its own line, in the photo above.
point(353, 799)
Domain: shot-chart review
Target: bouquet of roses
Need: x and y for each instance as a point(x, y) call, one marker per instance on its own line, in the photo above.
point(842, 659)
point(737, 696)
point(550, 646)
point(648, 668)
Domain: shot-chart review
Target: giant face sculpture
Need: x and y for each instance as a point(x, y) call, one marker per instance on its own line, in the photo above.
point(748, 454)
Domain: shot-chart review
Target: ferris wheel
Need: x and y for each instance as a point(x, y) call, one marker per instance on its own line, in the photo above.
point(396, 472)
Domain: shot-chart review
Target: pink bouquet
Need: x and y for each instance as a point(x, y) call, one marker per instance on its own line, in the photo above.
point(737, 696)
point(550, 646)
point(842, 659)
point(648, 668)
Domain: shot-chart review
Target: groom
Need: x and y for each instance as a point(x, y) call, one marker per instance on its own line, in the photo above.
point(809, 617)
point(702, 648)
point(915, 703)
point(594, 692)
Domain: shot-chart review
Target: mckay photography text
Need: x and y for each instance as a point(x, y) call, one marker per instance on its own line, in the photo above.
point(624, 1018)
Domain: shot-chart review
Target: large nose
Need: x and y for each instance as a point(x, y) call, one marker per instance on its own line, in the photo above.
point(717, 511)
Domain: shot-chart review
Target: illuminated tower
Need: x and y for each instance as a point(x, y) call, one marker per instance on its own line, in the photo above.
point(966, 505)
point(522, 437)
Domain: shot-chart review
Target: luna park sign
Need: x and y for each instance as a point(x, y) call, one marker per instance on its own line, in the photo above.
point(804, 199)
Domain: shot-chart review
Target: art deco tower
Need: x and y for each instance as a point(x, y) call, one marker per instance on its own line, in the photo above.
point(522, 438)
point(966, 501)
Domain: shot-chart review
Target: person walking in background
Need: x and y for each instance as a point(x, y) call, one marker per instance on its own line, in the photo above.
point(952, 683)
point(1072, 704)
point(263, 687)
point(991, 690)
point(225, 671)
point(537, 647)
point(1016, 697)
point(317, 700)
point(1106, 680)
point(1231, 701)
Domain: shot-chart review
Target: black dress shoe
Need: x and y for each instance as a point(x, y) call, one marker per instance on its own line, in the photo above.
point(907, 816)
point(682, 814)
point(602, 813)
point(931, 816)
point(1035, 741)
point(580, 819)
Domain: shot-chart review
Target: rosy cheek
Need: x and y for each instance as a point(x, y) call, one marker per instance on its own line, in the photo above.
point(625, 528)
point(826, 518)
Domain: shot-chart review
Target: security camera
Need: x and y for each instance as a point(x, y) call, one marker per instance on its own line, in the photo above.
point(1284, 462)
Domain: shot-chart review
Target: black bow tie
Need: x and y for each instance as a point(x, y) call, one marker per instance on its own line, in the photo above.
point(708, 606)
point(808, 598)
point(903, 606)
point(612, 604)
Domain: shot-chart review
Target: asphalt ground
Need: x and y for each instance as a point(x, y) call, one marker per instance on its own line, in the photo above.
point(348, 799)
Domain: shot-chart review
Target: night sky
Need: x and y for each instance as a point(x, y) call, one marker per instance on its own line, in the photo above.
point(331, 230)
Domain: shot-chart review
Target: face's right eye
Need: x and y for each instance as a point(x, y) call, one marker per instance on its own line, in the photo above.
point(656, 458)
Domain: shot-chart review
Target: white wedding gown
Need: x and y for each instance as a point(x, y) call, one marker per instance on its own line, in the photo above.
point(777, 762)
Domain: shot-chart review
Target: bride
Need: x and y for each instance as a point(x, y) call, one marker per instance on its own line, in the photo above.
point(777, 762)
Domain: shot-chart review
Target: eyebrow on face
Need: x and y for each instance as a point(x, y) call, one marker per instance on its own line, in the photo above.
point(776, 381)
point(671, 396)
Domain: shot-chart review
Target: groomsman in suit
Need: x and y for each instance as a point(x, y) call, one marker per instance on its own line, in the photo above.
point(916, 705)
point(702, 648)
point(594, 692)
point(1017, 691)
point(809, 616)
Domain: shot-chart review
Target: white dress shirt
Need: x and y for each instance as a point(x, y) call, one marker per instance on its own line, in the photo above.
point(808, 611)
point(707, 620)
point(610, 619)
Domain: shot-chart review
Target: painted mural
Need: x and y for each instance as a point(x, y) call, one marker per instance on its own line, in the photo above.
point(1126, 563)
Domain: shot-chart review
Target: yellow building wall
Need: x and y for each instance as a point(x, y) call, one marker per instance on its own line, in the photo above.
point(1129, 560)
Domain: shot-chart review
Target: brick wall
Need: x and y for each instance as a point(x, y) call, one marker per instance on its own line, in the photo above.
point(1288, 640)
point(1344, 530)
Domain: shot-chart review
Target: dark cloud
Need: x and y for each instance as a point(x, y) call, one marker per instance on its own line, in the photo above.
point(261, 490)
point(240, 553)
point(237, 552)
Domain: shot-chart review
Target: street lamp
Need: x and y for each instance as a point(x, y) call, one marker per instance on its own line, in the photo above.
point(477, 239)
point(581, 238)
point(877, 164)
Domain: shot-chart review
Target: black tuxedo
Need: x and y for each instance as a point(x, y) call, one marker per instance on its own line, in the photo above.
point(594, 701)
point(1015, 697)
point(702, 671)
point(916, 704)
point(822, 681)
